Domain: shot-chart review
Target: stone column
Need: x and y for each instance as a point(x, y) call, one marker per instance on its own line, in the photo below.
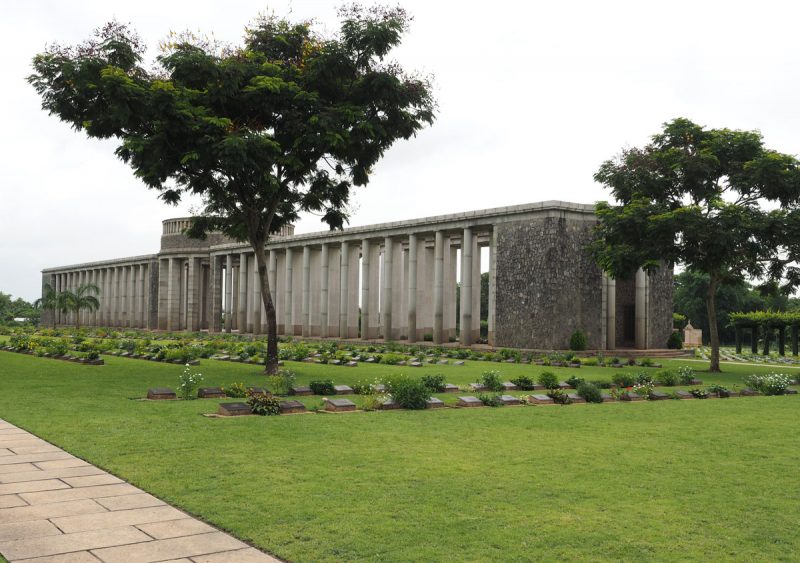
point(193, 297)
point(365, 309)
point(140, 304)
point(119, 303)
point(288, 320)
point(411, 284)
point(388, 246)
point(611, 318)
point(174, 293)
point(106, 296)
point(450, 288)
point(215, 325)
point(641, 309)
point(438, 288)
point(132, 287)
point(228, 292)
point(257, 302)
point(305, 309)
point(344, 273)
point(323, 291)
point(242, 319)
point(466, 288)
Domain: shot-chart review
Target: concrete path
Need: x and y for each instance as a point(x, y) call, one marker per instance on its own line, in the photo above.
point(57, 508)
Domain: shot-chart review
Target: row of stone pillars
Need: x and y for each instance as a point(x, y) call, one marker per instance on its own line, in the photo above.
point(404, 286)
point(767, 335)
point(124, 295)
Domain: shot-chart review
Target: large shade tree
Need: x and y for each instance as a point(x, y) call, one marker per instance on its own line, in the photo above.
point(287, 122)
point(715, 200)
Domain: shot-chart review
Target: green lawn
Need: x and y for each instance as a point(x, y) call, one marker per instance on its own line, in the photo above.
point(661, 480)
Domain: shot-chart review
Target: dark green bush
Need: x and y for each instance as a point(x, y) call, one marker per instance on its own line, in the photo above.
point(589, 392)
point(434, 383)
point(667, 378)
point(559, 396)
point(490, 400)
point(235, 390)
point(322, 387)
point(491, 379)
point(624, 380)
point(575, 381)
point(577, 341)
point(675, 342)
point(601, 384)
point(548, 379)
point(264, 405)
point(523, 382)
point(408, 393)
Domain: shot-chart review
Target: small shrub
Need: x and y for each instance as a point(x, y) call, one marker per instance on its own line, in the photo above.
point(675, 342)
point(491, 379)
point(235, 390)
point(577, 341)
point(769, 384)
point(548, 379)
point(646, 362)
point(699, 393)
point(322, 387)
point(575, 381)
point(667, 378)
point(408, 393)
point(434, 383)
point(685, 375)
point(719, 390)
point(623, 380)
point(392, 359)
point(509, 354)
point(589, 392)
point(559, 397)
point(644, 378)
point(188, 382)
point(601, 384)
point(523, 382)
point(490, 400)
point(361, 388)
point(282, 382)
point(263, 405)
point(643, 389)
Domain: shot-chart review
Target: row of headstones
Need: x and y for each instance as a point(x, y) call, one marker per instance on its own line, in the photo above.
point(152, 358)
point(66, 358)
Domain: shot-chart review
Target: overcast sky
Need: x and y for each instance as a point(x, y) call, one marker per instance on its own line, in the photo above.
point(532, 98)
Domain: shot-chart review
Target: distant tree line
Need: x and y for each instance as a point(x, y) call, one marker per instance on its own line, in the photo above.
point(18, 308)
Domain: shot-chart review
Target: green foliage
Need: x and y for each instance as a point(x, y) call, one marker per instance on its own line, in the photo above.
point(699, 393)
point(523, 382)
point(644, 377)
point(263, 405)
point(715, 200)
point(675, 341)
point(235, 390)
point(768, 384)
point(589, 392)
point(188, 381)
point(490, 400)
point(574, 381)
point(322, 387)
point(548, 379)
point(492, 381)
point(392, 359)
point(282, 382)
point(719, 390)
point(434, 383)
point(577, 341)
point(685, 375)
point(408, 393)
point(623, 380)
point(667, 378)
point(559, 396)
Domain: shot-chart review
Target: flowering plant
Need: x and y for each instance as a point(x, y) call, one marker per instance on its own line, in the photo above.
point(643, 389)
point(769, 384)
point(188, 382)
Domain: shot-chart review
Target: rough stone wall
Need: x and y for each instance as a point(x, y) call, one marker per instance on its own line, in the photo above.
point(152, 288)
point(180, 241)
point(547, 284)
point(659, 313)
point(626, 296)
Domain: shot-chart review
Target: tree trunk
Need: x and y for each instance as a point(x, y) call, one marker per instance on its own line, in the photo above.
point(711, 307)
point(271, 363)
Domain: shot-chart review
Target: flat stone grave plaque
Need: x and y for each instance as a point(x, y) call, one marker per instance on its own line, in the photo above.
point(416, 364)
point(401, 363)
point(343, 389)
point(659, 396)
point(450, 388)
point(161, 394)
point(335, 362)
point(234, 409)
point(788, 392)
point(352, 364)
point(576, 398)
point(509, 400)
point(370, 360)
point(470, 402)
point(356, 358)
point(292, 407)
point(211, 393)
point(223, 358)
point(632, 397)
point(378, 387)
point(511, 361)
point(339, 405)
point(442, 363)
point(541, 399)
point(684, 395)
point(302, 390)
point(310, 360)
point(478, 386)
point(259, 391)
point(508, 386)
point(748, 392)
point(389, 405)
point(564, 385)
point(607, 398)
point(434, 403)
point(695, 382)
point(458, 363)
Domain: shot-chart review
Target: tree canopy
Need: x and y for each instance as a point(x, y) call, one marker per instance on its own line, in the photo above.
point(287, 122)
point(715, 200)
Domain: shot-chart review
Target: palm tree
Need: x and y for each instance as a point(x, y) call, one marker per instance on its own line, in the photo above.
point(80, 299)
point(51, 301)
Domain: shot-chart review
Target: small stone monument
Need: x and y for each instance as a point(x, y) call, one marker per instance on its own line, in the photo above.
point(692, 336)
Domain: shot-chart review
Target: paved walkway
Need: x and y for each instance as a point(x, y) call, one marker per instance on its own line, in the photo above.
point(57, 508)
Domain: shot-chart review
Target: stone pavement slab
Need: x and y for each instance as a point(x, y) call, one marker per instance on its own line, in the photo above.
point(56, 508)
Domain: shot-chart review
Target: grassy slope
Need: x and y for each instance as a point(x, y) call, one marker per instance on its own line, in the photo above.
point(666, 480)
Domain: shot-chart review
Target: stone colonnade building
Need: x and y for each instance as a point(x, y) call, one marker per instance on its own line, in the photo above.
point(393, 281)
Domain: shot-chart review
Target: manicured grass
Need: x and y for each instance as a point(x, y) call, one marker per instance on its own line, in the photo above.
point(694, 479)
